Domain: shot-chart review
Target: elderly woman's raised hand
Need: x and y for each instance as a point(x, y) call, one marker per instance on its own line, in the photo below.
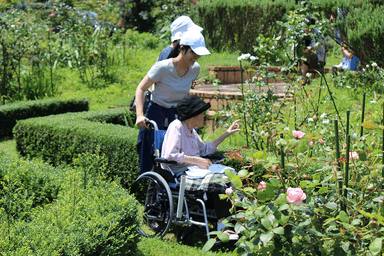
point(233, 128)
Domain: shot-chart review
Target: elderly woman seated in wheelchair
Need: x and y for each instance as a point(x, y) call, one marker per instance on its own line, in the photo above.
point(182, 155)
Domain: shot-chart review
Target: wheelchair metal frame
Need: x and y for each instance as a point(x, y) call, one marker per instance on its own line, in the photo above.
point(187, 202)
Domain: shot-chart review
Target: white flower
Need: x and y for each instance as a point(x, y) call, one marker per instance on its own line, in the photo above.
point(244, 56)
point(374, 64)
point(323, 115)
point(262, 133)
point(363, 69)
point(253, 58)
point(310, 119)
point(286, 128)
point(367, 66)
point(354, 135)
point(373, 101)
point(326, 121)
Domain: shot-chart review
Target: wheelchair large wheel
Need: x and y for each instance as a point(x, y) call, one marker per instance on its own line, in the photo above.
point(156, 210)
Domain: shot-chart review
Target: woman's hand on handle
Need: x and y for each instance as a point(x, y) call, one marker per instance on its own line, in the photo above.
point(140, 121)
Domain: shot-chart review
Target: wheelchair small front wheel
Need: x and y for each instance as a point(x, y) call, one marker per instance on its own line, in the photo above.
point(156, 204)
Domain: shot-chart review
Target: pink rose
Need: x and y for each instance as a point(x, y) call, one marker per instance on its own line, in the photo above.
point(321, 141)
point(229, 191)
point(52, 15)
point(296, 196)
point(262, 186)
point(354, 156)
point(310, 143)
point(298, 134)
point(344, 146)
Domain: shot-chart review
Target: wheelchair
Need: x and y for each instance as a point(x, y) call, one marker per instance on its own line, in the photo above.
point(166, 201)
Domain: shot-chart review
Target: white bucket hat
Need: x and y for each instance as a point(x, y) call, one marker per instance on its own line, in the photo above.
point(181, 25)
point(195, 40)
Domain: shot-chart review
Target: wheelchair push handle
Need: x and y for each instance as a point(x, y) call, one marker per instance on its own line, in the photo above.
point(152, 124)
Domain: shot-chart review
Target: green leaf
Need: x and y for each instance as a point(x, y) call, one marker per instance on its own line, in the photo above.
point(375, 246)
point(356, 222)
point(229, 173)
point(266, 223)
point(223, 237)
point(243, 173)
point(266, 237)
point(249, 189)
point(315, 232)
point(345, 246)
point(278, 230)
point(303, 184)
point(236, 181)
point(343, 217)
point(208, 245)
point(265, 195)
point(281, 202)
point(331, 205)
point(323, 190)
point(258, 155)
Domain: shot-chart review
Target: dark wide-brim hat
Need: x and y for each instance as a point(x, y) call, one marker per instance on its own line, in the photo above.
point(190, 106)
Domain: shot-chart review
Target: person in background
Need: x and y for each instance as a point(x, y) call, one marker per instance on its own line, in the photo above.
point(350, 62)
point(178, 27)
point(173, 79)
point(314, 52)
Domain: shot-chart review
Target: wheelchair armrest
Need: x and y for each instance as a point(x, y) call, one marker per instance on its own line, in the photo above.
point(164, 161)
point(214, 158)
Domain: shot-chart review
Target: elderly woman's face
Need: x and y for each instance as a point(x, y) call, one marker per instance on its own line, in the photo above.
point(199, 120)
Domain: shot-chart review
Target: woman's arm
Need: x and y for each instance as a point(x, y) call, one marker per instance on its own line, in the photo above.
point(140, 90)
point(231, 130)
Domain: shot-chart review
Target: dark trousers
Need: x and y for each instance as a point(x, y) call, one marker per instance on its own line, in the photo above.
point(145, 140)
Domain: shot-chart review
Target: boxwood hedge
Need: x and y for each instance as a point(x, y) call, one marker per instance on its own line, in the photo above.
point(58, 139)
point(11, 113)
point(99, 219)
point(25, 185)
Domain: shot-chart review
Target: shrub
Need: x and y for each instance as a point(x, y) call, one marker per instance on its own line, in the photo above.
point(244, 21)
point(97, 220)
point(25, 185)
point(57, 139)
point(11, 113)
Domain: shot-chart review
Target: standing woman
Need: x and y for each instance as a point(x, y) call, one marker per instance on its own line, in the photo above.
point(173, 79)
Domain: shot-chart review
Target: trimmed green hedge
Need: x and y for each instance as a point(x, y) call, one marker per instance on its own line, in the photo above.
point(58, 139)
point(11, 113)
point(97, 219)
point(25, 185)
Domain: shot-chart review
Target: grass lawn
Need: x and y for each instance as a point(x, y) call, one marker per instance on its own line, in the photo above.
point(9, 146)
